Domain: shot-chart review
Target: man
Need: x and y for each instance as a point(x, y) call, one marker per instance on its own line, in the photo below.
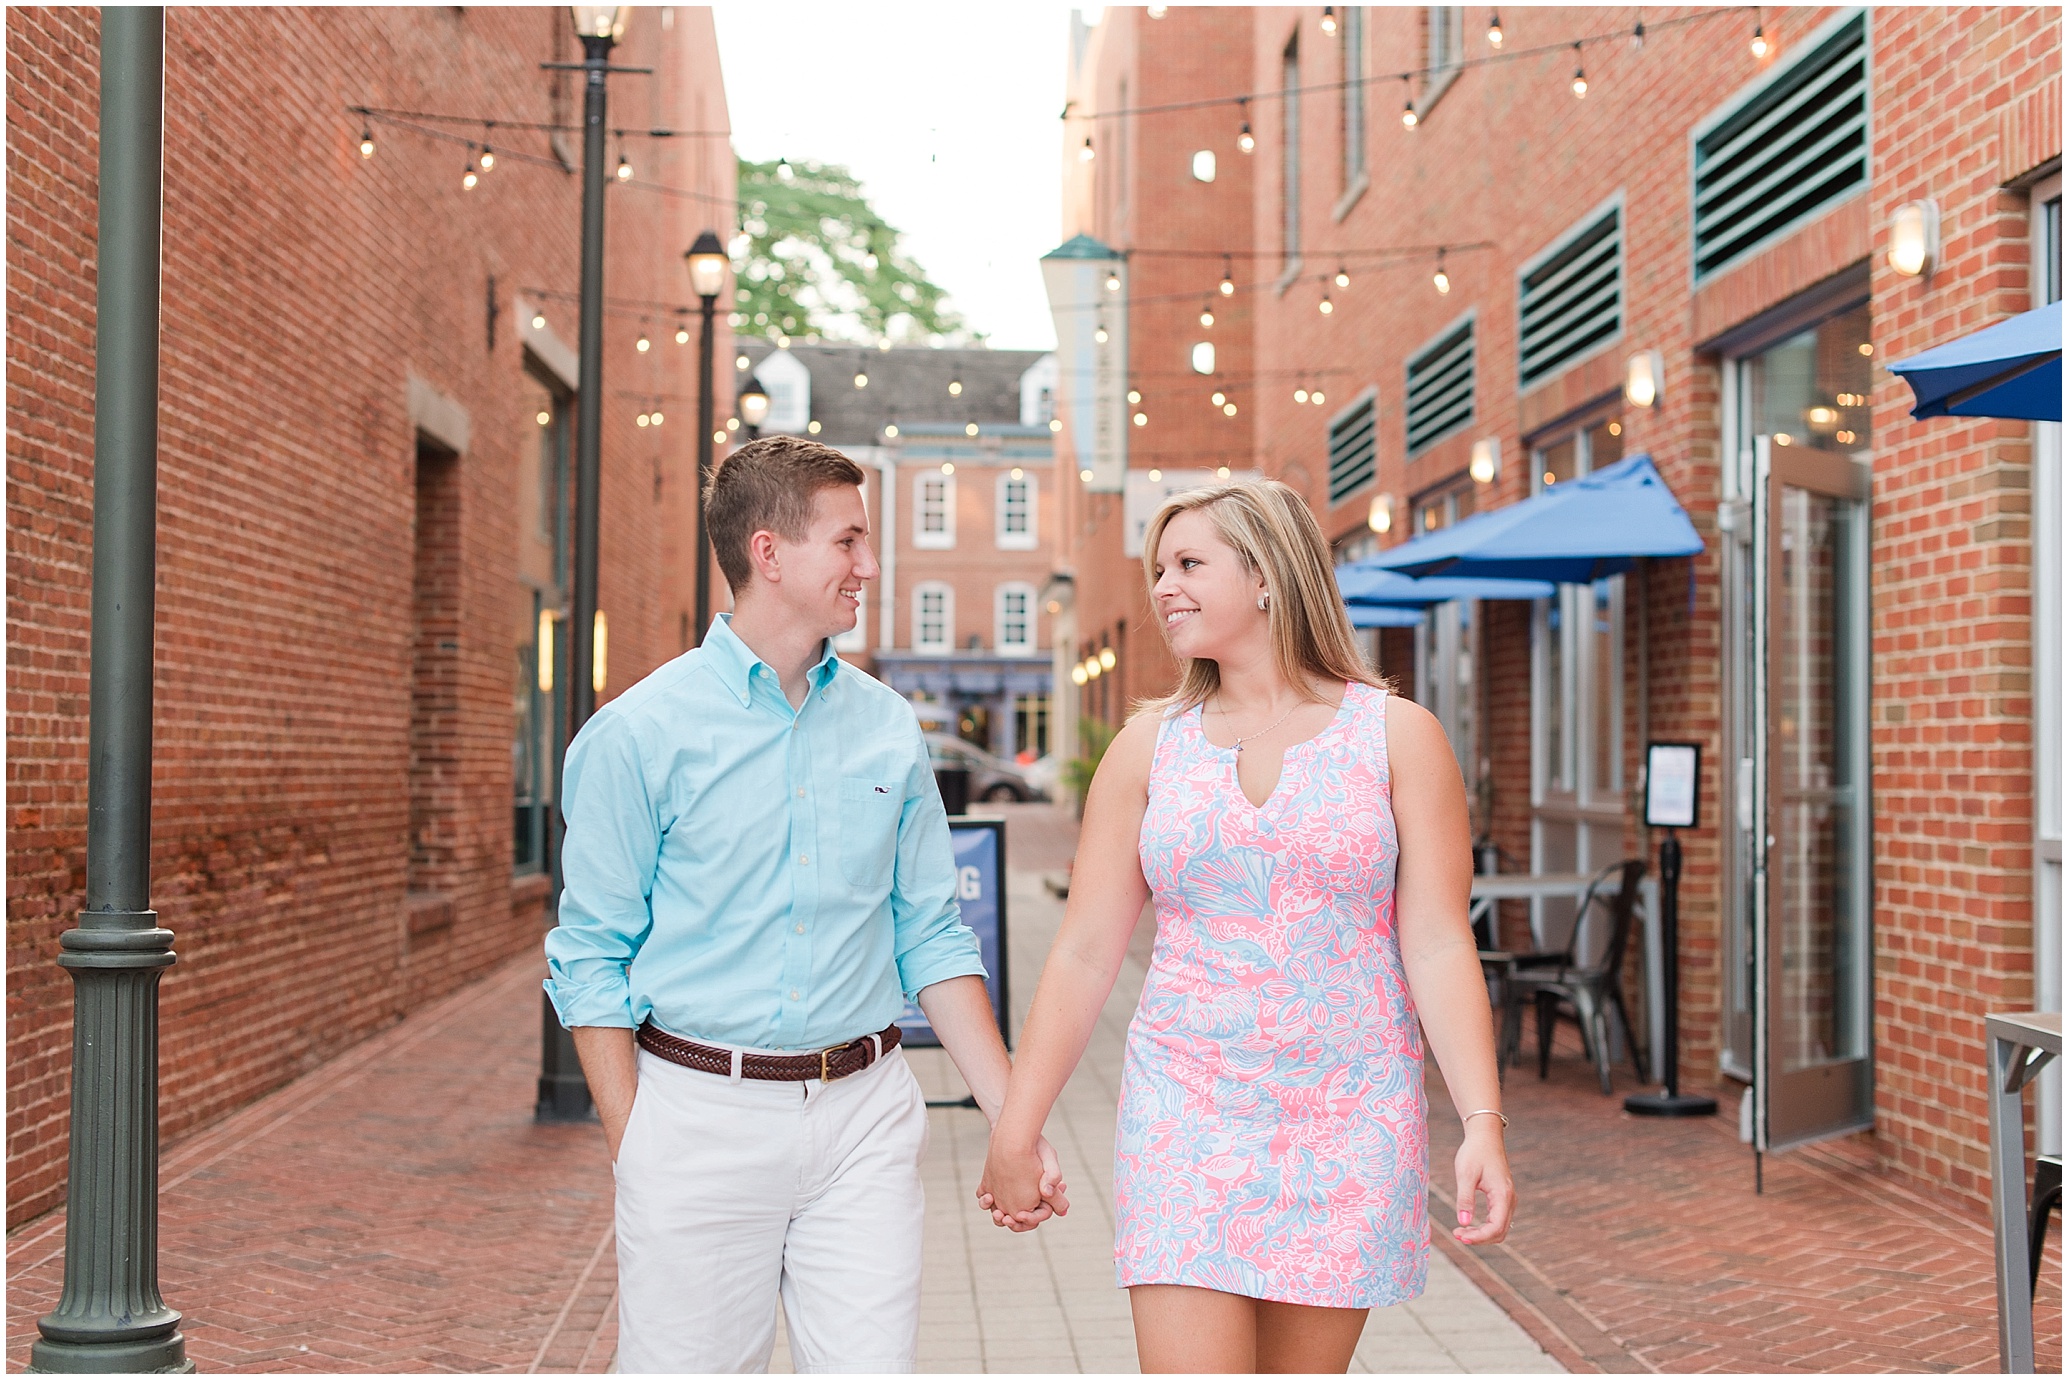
point(757, 874)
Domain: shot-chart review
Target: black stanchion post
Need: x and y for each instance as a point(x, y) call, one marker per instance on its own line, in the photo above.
point(1671, 773)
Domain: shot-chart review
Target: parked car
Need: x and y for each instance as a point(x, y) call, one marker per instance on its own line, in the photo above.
point(991, 778)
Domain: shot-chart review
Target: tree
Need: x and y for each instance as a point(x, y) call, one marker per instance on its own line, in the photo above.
point(815, 260)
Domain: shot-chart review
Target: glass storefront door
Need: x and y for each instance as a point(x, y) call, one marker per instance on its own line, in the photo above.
point(1813, 893)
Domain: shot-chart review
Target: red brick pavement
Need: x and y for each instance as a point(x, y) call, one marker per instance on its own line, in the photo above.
point(396, 1210)
point(1642, 1244)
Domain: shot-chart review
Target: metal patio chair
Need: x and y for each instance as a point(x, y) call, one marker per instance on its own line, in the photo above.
point(1553, 978)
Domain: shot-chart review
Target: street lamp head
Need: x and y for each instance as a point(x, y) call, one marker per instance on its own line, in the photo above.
point(707, 265)
point(600, 21)
point(753, 403)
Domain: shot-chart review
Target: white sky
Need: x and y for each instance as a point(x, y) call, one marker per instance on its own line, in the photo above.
point(946, 112)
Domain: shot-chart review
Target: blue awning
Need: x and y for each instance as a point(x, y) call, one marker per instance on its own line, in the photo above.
point(1363, 582)
point(2010, 369)
point(1584, 529)
point(1384, 616)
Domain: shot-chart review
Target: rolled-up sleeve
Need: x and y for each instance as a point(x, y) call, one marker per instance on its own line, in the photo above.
point(608, 861)
point(932, 943)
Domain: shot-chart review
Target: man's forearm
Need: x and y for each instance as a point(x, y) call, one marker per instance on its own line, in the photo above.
point(959, 1010)
point(610, 1062)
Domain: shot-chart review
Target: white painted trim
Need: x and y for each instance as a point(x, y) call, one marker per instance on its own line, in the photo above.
point(947, 593)
point(438, 416)
point(921, 538)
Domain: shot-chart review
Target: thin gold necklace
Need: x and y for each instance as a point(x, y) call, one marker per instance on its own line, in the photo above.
point(1246, 737)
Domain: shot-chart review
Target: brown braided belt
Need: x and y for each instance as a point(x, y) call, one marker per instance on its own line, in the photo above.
point(827, 1065)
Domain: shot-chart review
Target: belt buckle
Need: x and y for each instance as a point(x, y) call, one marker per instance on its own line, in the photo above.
point(826, 1074)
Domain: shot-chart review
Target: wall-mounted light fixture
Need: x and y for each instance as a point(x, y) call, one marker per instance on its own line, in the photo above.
point(1644, 379)
point(1380, 519)
point(1486, 459)
point(1913, 238)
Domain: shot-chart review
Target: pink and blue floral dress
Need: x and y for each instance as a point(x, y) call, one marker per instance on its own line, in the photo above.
point(1273, 1135)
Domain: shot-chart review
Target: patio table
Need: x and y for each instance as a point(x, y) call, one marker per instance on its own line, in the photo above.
point(2020, 1044)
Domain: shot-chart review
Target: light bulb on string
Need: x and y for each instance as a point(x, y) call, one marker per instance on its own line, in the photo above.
point(1299, 395)
point(1442, 279)
point(1324, 305)
point(469, 177)
point(1206, 313)
point(642, 344)
point(1112, 280)
point(1408, 115)
point(1100, 334)
point(682, 335)
point(1244, 140)
point(1328, 20)
point(624, 169)
point(1760, 47)
point(1637, 34)
point(1228, 409)
point(1134, 395)
point(861, 378)
point(538, 321)
point(656, 416)
point(1220, 398)
point(487, 159)
point(1493, 29)
point(954, 388)
point(1227, 278)
point(1316, 398)
point(784, 172)
point(366, 142)
point(1579, 76)
point(644, 420)
point(1085, 154)
point(1342, 276)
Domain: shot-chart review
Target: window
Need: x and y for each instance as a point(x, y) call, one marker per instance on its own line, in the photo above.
point(1570, 297)
point(2046, 665)
point(1353, 448)
point(933, 617)
point(1030, 725)
point(1445, 29)
point(1015, 619)
point(933, 516)
point(1796, 145)
point(1289, 171)
point(1016, 524)
point(1353, 97)
point(1439, 387)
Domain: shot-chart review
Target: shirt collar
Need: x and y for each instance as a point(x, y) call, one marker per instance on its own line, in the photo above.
point(737, 665)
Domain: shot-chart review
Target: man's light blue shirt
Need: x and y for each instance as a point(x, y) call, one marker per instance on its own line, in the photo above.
point(747, 873)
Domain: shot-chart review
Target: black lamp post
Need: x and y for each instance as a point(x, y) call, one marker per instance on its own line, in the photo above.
point(563, 1092)
point(111, 1316)
point(707, 267)
point(753, 406)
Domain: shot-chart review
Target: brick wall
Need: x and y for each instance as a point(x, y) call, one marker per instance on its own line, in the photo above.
point(1964, 100)
point(310, 787)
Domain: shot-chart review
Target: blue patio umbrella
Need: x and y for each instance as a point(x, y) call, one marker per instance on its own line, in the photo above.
point(1384, 616)
point(1363, 582)
point(2010, 369)
point(1581, 530)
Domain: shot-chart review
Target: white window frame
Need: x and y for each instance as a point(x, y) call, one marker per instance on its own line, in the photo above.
point(998, 598)
point(920, 593)
point(2049, 595)
point(943, 540)
point(1443, 49)
point(1031, 538)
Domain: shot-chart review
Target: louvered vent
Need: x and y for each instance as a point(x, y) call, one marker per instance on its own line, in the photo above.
point(1790, 151)
point(1439, 389)
point(1572, 298)
point(1353, 451)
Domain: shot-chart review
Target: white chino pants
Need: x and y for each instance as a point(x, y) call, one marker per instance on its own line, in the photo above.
point(730, 1193)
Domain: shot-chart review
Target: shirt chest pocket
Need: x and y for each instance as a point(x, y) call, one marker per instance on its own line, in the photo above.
point(869, 811)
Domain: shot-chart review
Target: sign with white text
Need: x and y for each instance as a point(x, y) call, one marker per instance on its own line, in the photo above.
point(980, 890)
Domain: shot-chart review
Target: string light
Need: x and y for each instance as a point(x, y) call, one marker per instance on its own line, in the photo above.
point(947, 467)
point(784, 172)
point(1084, 475)
point(366, 142)
point(1579, 75)
point(954, 388)
point(1493, 29)
point(1055, 423)
point(1245, 141)
point(545, 418)
point(1134, 395)
point(813, 427)
point(1316, 398)
point(1299, 395)
point(656, 416)
point(1155, 476)
point(487, 159)
point(890, 429)
point(1227, 278)
point(1228, 409)
point(1100, 334)
point(643, 420)
point(1325, 305)
point(1085, 154)
point(1408, 116)
point(970, 430)
point(1342, 276)
point(1328, 20)
point(732, 424)
point(624, 169)
point(1220, 398)
point(719, 436)
point(642, 344)
point(1442, 279)
point(861, 378)
point(1221, 473)
point(1141, 419)
point(469, 177)
point(1760, 47)
point(1112, 280)
point(1206, 313)
point(1637, 35)
point(538, 321)
point(682, 335)
point(742, 362)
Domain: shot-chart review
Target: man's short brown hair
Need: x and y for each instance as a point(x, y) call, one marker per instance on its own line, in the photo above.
point(769, 485)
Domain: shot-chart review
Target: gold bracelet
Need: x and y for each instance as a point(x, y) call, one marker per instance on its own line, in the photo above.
point(1488, 1111)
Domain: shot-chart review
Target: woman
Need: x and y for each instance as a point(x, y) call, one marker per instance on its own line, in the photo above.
point(1305, 839)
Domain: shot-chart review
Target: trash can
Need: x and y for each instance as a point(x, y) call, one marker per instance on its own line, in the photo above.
point(954, 784)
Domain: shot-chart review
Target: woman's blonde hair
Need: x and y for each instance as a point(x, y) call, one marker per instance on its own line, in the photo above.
point(1274, 533)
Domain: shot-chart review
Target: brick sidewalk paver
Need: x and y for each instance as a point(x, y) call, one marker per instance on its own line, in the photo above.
point(1646, 1237)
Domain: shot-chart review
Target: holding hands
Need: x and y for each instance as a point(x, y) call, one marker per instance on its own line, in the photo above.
point(1022, 1185)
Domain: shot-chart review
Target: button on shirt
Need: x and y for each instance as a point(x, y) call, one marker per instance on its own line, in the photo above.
point(748, 873)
